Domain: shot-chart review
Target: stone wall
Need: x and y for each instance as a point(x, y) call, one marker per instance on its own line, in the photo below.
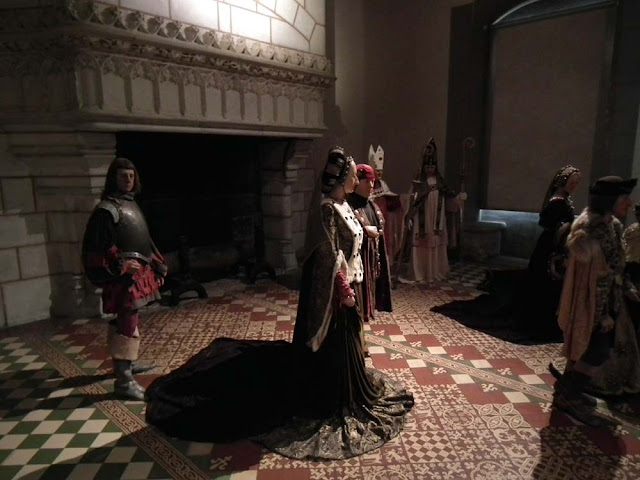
point(288, 181)
point(50, 183)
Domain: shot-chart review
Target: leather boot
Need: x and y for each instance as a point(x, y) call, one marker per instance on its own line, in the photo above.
point(125, 385)
point(112, 339)
point(569, 397)
point(569, 385)
point(137, 368)
point(124, 351)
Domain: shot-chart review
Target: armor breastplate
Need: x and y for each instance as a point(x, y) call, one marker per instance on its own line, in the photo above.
point(132, 234)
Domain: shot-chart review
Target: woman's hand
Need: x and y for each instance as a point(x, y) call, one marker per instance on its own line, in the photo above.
point(409, 223)
point(349, 301)
point(607, 324)
point(633, 295)
point(131, 267)
point(558, 265)
point(372, 231)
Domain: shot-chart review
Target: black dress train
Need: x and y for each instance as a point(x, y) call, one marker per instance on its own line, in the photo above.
point(521, 304)
point(322, 404)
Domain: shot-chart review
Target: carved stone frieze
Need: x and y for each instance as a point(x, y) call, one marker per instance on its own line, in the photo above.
point(106, 63)
point(98, 80)
point(64, 45)
point(115, 18)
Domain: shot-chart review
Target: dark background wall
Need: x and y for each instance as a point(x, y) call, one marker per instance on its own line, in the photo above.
point(419, 68)
point(543, 105)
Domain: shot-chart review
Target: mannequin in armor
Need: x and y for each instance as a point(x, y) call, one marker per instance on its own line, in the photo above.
point(388, 202)
point(376, 287)
point(119, 256)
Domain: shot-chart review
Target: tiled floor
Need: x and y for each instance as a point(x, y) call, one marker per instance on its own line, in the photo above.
point(482, 408)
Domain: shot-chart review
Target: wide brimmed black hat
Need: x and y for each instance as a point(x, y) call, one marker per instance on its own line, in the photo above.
point(612, 186)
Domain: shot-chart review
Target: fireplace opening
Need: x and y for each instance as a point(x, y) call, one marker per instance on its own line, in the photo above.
point(201, 198)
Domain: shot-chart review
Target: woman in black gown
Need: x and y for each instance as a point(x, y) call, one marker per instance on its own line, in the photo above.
point(521, 304)
point(312, 398)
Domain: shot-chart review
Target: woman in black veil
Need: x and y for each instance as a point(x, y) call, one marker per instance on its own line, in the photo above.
point(521, 304)
point(309, 399)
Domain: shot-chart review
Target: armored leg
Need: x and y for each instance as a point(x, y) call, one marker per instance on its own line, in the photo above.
point(124, 350)
point(136, 368)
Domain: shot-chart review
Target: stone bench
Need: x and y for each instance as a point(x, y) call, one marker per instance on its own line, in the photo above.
point(482, 239)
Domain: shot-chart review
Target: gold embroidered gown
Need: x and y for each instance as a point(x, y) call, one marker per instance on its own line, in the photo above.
point(309, 399)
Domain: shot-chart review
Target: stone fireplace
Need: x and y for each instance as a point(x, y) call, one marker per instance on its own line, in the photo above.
point(220, 193)
point(80, 79)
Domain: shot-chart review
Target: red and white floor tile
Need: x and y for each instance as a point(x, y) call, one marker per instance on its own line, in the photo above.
point(483, 405)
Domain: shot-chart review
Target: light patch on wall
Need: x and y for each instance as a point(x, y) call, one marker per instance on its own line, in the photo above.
point(265, 11)
point(248, 4)
point(270, 4)
point(287, 10)
point(250, 25)
point(224, 17)
point(203, 13)
point(304, 23)
point(316, 9)
point(318, 42)
point(287, 36)
point(157, 7)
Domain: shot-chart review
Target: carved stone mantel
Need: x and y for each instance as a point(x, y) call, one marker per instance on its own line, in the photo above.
point(88, 64)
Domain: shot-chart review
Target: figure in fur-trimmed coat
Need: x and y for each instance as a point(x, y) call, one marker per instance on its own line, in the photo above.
point(600, 343)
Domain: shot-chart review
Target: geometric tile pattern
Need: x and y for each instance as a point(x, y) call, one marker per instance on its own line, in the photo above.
point(482, 411)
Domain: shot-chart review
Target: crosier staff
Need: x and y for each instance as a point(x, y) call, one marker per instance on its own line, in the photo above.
point(406, 230)
point(406, 233)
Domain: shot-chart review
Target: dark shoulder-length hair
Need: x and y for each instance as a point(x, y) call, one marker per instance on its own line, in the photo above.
point(111, 184)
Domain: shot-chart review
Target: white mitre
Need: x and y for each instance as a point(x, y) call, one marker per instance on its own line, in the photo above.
point(376, 158)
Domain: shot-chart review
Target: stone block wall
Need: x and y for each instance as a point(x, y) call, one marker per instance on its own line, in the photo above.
point(24, 274)
point(286, 193)
point(49, 183)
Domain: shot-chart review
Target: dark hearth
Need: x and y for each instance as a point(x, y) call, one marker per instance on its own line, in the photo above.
point(182, 281)
point(201, 198)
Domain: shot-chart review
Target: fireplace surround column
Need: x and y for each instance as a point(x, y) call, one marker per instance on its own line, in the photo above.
point(286, 191)
point(49, 188)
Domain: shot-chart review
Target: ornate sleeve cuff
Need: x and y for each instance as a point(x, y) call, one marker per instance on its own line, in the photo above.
point(343, 289)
